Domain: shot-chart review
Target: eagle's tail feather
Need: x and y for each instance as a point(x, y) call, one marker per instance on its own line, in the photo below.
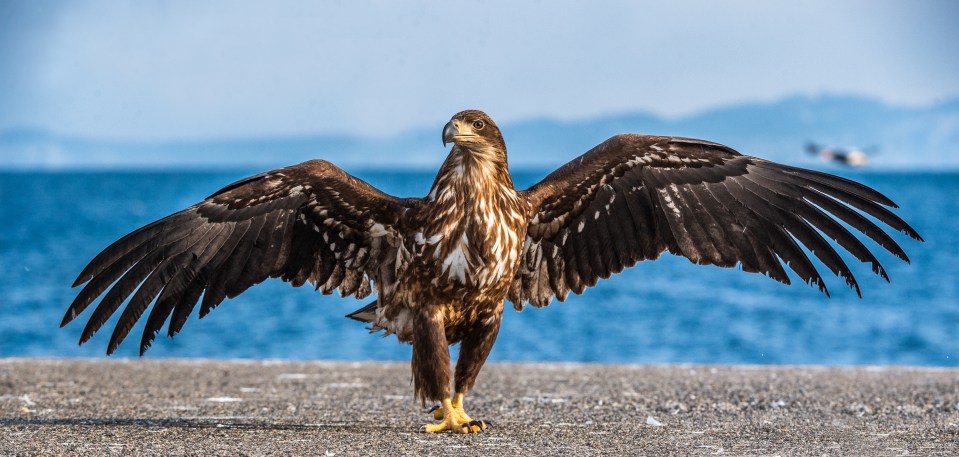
point(367, 314)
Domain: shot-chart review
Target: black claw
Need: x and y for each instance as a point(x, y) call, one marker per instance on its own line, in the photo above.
point(482, 425)
point(434, 408)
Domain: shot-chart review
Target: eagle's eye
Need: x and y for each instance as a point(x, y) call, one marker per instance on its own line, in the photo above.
point(478, 125)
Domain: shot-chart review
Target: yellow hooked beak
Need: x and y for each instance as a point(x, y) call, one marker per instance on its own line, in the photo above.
point(455, 131)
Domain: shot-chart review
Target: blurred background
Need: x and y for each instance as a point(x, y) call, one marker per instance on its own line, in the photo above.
point(115, 114)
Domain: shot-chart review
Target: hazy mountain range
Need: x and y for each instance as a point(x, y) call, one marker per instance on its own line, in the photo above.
point(906, 137)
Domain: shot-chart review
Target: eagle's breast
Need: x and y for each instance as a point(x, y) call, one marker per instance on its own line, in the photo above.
point(474, 228)
point(461, 248)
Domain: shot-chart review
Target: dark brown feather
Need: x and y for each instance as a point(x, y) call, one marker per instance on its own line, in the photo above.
point(700, 200)
point(291, 223)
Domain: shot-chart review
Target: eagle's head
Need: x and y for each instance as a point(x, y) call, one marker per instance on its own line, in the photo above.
point(475, 131)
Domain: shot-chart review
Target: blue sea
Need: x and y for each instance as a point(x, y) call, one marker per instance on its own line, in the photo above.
point(667, 311)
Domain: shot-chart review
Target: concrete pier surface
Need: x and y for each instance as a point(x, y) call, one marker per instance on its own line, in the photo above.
point(214, 407)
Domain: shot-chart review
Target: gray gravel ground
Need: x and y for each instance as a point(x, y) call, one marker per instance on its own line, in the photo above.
point(206, 407)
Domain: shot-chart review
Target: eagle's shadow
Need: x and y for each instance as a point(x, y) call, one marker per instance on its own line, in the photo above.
point(199, 423)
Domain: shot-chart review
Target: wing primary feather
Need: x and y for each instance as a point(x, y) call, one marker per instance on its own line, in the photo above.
point(857, 201)
point(186, 303)
point(145, 294)
point(205, 276)
point(154, 283)
point(857, 221)
point(775, 236)
point(784, 196)
point(874, 210)
point(117, 294)
point(758, 242)
point(126, 285)
point(118, 266)
point(832, 181)
point(174, 290)
point(783, 243)
point(120, 248)
point(216, 291)
point(96, 286)
point(203, 284)
point(803, 231)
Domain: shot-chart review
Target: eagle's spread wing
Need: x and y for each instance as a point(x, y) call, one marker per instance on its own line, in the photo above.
point(308, 222)
point(635, 196)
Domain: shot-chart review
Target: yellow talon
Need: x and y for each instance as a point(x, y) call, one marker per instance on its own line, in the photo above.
point(439, 412)
point(453, 418)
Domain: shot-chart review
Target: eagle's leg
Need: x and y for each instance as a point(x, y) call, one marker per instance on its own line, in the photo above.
point(431, 355)
point(431, 369)
point(474, 349)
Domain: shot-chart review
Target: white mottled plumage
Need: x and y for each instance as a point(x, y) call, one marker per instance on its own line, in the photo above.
point(457, 264)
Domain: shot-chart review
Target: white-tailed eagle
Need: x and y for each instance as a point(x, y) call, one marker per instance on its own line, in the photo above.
point(443, 265)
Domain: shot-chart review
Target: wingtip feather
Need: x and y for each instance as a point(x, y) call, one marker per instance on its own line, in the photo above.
point(67, 318)
point(81, 280)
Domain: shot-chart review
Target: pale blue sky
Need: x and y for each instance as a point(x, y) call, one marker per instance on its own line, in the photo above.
point(157, 70)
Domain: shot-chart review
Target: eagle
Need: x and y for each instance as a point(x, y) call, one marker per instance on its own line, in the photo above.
point(442, 266)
